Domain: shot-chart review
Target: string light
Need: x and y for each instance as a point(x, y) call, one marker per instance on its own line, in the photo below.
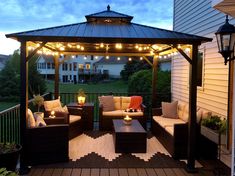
point(78, 46)
point(85, 57)
point(69, 45)
point(160, 57)
point(140, 49)
point(96, 57)
point(136, 46)
point(38, 45)
point(187, 49)
point(118, 58)
point(141, 58)
point(107, 57)
point(179, 46)
point(102, 45)
point(118, 46)
point(61, 48)
point(155, 47)
point(82, 48)
point(151, 52)
point(130, 59)
point(73, 56)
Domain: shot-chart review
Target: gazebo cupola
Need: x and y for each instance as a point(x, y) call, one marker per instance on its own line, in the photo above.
point(109, 16)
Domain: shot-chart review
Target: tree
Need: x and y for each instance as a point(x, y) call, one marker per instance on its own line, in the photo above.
point(10, 79)
point(132, 67)
point(141, 82)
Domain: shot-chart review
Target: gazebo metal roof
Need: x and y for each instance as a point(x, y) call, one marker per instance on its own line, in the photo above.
point(111, 27)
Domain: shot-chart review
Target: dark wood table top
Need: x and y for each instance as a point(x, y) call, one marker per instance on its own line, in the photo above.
point(120, 127)
point(75, 104)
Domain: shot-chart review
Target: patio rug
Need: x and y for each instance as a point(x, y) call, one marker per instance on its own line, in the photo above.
point(96, 150)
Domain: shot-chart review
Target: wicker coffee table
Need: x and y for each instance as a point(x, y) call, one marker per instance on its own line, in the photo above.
point(129, 138)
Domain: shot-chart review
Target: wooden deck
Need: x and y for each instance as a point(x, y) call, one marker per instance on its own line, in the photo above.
point(117, 172)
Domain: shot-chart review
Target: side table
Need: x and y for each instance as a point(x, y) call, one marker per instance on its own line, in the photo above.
point(87, 114)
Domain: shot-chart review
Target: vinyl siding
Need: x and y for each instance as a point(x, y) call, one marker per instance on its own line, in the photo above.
point(199, 18)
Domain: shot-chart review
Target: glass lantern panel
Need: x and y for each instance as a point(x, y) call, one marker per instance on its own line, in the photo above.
point(226, 42)
point(218, 36)
point(232, 42)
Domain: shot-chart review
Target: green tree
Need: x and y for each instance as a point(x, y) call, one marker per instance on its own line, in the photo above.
point(132, 67)
point(10, 79)
point(141, 82)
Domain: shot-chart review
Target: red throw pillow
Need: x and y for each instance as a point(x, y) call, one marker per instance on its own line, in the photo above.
point(136, 102)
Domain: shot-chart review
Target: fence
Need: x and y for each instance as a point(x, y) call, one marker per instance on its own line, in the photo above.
point(10, 118)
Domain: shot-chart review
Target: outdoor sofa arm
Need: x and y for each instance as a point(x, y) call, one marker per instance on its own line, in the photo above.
point(56, 120)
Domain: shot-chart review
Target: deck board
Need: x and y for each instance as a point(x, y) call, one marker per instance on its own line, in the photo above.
point(160, 172)
point(169, 172)
point(86, 172)
point(113, 172)
point(76, 172)
point(95, 172)
point(48, 172)
point(132, 172)
point(123, 172)
point(104, 172)
point(57, 172)
point(178, 172)
point(141, 172)
point(66, 172)
point(151, 172)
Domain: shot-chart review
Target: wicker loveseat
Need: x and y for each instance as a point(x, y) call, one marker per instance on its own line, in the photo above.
point(121, 104)
point(173, 132)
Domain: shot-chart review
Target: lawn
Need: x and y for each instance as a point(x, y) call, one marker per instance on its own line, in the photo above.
point(6, 105)
point(114, 86)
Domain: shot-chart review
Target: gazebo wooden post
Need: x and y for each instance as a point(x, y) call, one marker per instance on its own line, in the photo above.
point(23, 101)
point(154, 80)
point(192, 110)
point(56, 84)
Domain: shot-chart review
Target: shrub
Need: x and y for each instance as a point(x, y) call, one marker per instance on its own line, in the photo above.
point(215, 123)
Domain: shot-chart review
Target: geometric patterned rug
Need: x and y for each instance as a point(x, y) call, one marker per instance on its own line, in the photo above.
point(95, 149)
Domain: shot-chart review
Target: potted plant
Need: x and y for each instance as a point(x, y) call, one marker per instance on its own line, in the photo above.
point(38, 101)
point(9, 155)
point(214, 128)
point(5, 172)
point(81, 97)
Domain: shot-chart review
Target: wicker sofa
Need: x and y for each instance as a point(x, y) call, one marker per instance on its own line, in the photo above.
point(120, 104)
point(173, 132)
point(72, 116)
point(46, 144)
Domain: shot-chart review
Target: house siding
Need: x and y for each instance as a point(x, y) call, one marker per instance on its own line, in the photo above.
point(199, 18)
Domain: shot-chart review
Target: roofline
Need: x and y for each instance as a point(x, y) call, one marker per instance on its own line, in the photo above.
point(109, 39)
point(90, 16)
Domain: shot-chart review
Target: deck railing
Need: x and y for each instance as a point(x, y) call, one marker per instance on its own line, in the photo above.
point(10, 118)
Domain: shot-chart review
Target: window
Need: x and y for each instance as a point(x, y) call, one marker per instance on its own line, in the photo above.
point(80, 66)
point(88, 66)
point(200, 68)
point(70, 67)
point(65, 66)
point(53, 66)
point(75, 66)
point(48, 65)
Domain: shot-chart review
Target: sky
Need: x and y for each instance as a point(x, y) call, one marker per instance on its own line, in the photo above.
point(23, 15)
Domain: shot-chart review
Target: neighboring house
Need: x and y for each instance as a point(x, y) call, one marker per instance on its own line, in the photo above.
point(200, 18)
point(111, 66)
point(71, 68)
point(3, 59)
point(165, 64)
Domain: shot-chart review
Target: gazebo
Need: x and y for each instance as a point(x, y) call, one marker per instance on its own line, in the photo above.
point(109, 33)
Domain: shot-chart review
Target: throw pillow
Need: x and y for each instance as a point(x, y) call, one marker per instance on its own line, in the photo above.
point(30, 121)
point(169, 110)
point(107, 102)
point(39, 121)
point(52, 105)
point(136, 102)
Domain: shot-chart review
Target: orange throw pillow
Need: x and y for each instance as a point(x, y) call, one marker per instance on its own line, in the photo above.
point(136, 102)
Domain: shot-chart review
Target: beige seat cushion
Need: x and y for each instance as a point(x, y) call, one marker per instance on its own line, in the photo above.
point(170, 130)
point(169, 110)
point(162, 121)
point(137, 114)
point(117, 103)
point(125, 102)
point(74, 118)
point(113, 113)
point(186, 114)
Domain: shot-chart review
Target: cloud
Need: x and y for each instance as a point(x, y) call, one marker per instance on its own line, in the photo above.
point(18, 15)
